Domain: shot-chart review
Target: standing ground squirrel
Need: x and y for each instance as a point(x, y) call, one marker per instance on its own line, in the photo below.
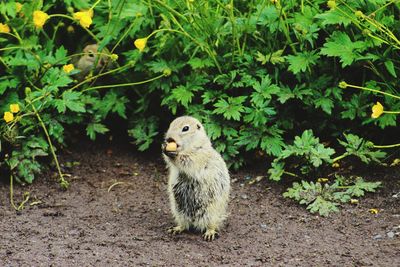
point(199, 182)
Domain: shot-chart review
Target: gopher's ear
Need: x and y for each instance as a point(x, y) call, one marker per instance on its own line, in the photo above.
point(198, 126)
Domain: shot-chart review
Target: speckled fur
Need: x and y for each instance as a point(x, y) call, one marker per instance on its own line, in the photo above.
point(199, 182)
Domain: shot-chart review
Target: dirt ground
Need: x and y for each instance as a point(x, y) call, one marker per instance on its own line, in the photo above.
point(94, 224)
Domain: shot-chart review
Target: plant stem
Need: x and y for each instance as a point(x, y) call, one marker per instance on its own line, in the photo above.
point(64, 183)
point(387, 146)
point(373, 90)
point(21, 205)
point(123, 84)
point(340, 157)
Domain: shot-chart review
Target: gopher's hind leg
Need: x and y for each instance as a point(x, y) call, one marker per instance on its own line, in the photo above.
point(176, 230)
point(210, 234)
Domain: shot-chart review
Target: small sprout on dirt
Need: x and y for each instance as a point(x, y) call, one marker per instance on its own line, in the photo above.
point(373, 211)
point(34, 203)
point(335, 165)
point(322, 180)
point(395, 162)
point(64, 184)
point(256, 179)
point(114, 184)
point(354, 201)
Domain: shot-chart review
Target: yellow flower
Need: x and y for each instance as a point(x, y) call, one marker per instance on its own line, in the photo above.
point(18, 7)
point(14, 108)
point(377, 110)
point(373, 211)
point(39, 18)
point(8, 116)
point(140, 44)
point(84, 17)
point(4, 28)
point(68, 68)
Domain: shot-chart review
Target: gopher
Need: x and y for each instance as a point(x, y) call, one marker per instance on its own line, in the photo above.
point(199, 182)
point(91, 60)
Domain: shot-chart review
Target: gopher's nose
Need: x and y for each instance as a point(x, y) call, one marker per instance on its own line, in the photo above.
point(170, 140)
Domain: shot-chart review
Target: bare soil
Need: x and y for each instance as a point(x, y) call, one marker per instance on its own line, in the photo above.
point(116, 213)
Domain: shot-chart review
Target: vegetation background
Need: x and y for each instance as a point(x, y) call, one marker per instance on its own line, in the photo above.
point(288, 83)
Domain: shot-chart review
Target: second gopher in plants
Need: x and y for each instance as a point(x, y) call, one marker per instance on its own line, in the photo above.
point(199, 182)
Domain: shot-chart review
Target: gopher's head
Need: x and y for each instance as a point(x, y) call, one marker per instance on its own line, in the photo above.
point(185, 135)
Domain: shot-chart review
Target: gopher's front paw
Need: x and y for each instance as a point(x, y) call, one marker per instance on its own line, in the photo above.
point(176, 230)
point(210, 235)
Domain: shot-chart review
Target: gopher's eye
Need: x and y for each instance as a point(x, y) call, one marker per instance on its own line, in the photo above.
point(185, 129)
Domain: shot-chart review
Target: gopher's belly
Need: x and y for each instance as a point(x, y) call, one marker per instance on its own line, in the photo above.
point(190, 197)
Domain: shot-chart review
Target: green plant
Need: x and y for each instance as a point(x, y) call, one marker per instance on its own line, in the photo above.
point(254, 72)
point(325, 198)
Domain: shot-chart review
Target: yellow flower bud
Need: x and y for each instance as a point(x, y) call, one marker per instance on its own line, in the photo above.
point(114, 57)
point(140, 44)
point(331, 4)
point(343, 84)
point(8, 116)
point(39, 18)
point(4, 28)
point(68, 68)
point(377, 110)
point(14, 108)
point(167, 72)
point(359, 14)
point(70, 29)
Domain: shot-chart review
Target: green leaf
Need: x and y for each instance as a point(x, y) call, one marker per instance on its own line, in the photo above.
point(390, 68)
point(326, 104)
point(276, 171)
point(144, 132)
point(182, 95)
point(334, 16)
point(302, 61)
point(322, 206)
point(94, 128)
point(274, 58)
point(340, 45)
point(231, 108)
point(72, 100)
